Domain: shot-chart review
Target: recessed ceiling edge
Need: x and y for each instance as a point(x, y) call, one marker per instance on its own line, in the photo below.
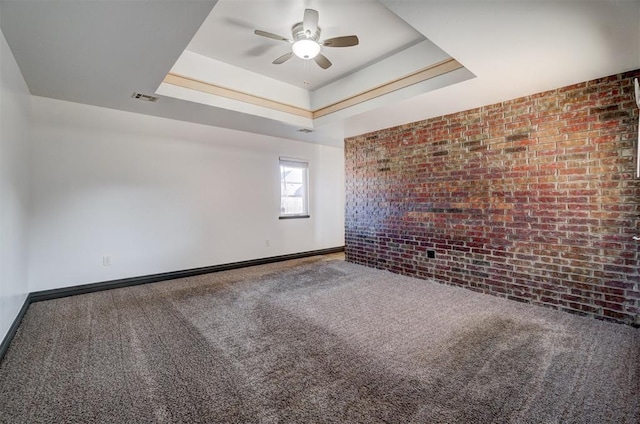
point(429, 72)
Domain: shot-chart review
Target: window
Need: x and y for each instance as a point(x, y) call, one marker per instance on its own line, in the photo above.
point(294, 189)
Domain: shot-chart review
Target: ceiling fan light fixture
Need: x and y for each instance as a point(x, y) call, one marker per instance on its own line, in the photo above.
point(306, 49)
point(306, 42)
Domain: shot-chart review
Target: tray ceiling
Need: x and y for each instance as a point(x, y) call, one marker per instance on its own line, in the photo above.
point(99, 52)
point(226, 65)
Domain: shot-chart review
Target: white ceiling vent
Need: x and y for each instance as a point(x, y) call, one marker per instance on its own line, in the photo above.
point(144, 97)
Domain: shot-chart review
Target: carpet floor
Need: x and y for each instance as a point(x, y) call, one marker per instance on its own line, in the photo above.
point(314, 340)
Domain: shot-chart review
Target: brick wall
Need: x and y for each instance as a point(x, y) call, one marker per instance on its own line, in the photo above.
point(533, 199)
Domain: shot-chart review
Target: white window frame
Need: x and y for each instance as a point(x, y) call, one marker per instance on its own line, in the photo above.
point(301, 164)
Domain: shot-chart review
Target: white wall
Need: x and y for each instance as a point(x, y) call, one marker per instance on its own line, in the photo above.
point(14, 173)
point(160, 195)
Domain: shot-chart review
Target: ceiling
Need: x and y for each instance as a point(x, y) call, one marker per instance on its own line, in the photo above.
point(99, 52)
point(227, 66)
point(227, 36)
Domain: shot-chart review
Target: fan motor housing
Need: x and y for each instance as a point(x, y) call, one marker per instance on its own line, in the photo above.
point(297, 31)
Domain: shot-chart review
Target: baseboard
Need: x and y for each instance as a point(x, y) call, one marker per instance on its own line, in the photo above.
point(154, 278)
point(146, 279)
point(4, 346)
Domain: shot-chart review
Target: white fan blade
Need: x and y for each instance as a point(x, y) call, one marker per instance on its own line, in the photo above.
point(271, 35)
point(310, 22)
point(283, 58)
point(346, 41)
point(322, 61)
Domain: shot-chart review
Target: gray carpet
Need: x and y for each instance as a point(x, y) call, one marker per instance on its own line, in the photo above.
point(311, 341)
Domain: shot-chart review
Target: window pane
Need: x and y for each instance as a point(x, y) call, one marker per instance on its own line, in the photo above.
point(293, 188)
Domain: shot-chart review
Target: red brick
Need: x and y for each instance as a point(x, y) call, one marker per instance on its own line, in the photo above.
point(534, 199)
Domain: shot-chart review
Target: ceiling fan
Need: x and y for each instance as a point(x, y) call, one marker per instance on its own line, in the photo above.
point(306, 42)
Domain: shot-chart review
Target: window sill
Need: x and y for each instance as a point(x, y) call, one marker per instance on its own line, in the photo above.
point(294, 216)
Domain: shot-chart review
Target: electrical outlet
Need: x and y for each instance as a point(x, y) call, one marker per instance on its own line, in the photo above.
point(106, 260)
point(267, 243)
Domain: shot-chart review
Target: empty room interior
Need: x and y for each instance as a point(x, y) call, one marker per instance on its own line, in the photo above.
point(309, 211)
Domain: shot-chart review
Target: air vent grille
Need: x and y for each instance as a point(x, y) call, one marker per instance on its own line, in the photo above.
point(144, 97)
